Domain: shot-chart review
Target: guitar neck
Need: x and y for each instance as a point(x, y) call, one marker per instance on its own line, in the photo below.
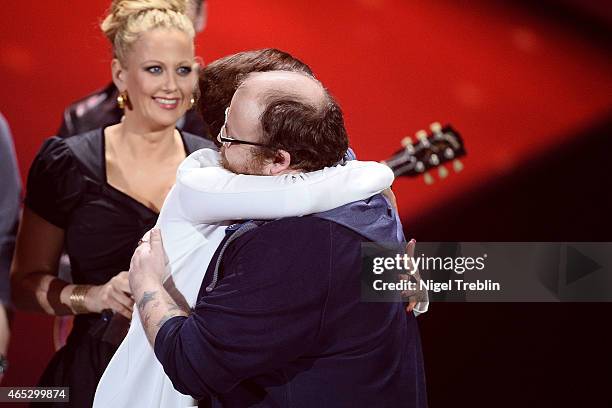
point(430, 150)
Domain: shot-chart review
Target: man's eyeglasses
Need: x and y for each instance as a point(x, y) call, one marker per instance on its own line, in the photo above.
point(222, 136)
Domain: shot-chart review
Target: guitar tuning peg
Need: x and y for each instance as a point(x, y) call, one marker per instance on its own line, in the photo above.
point(429, 180)
point(421, 135)
point(407, 141)
point(442, 172)
point(436, 127)
point(434, 160)
point(457, 165)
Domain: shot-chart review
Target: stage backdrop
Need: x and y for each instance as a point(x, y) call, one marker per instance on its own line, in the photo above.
point(515, 83)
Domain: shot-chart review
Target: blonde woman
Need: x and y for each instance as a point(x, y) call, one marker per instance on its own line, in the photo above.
point(98, 192)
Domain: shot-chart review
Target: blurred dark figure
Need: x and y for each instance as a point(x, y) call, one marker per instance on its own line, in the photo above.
point(10, 189)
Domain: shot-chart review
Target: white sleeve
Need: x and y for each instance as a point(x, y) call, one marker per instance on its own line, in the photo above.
point(208, 193)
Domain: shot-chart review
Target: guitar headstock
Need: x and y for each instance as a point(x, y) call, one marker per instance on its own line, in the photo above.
point(442, 144)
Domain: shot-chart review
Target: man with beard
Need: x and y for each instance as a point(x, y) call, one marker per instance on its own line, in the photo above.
point(194, 219)
point(279, 321)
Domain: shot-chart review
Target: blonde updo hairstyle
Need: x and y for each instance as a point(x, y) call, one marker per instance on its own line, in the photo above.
point(128, 19)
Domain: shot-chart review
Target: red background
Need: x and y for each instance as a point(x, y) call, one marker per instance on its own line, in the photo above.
point(514, 81)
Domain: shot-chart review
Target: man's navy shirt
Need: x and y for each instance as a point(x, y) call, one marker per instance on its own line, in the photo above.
point(285, 327)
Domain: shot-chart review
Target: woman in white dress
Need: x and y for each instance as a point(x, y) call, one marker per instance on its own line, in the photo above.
point(193, 221)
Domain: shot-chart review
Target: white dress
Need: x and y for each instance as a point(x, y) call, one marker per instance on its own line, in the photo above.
point(193, 219)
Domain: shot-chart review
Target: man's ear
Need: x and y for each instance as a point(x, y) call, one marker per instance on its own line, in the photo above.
point(279, 164)
point(119, 74)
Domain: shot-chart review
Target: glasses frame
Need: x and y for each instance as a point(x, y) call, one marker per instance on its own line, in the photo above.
point(229, 140)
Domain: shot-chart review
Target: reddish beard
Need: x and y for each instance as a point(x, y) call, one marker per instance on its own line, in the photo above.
point(223, 161)
point(251, 167)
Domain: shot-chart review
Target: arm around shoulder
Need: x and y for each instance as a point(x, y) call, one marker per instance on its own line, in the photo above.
point(212, 194)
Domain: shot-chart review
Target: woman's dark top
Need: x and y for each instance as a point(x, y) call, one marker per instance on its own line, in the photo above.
point(67, 187)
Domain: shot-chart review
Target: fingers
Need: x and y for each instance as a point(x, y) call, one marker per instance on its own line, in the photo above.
point(115, 295)
point(414, 296)
point(410, 248)
point(391, 197)
point(410, 253)
point(120, 302)
point(148, 264)
point(406, 293)
point(157, 245)
point(155, 240)
point(122, 310)
point(122, 283)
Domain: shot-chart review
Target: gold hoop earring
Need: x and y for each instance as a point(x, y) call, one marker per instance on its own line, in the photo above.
point(122, 100)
